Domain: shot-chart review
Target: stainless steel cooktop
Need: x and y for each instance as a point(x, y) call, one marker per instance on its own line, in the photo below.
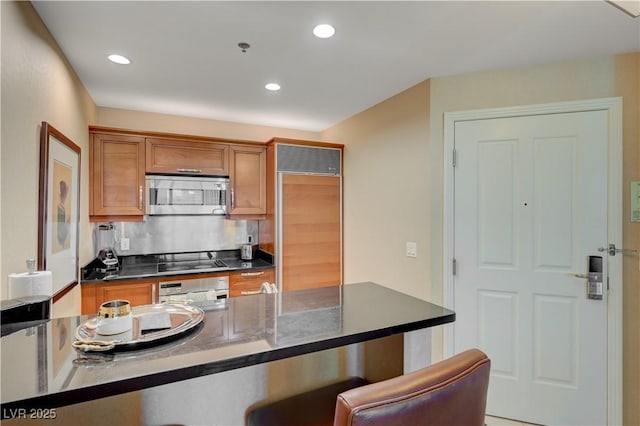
point(184, 262)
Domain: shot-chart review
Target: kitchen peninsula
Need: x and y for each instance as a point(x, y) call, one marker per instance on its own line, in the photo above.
point(246, 331)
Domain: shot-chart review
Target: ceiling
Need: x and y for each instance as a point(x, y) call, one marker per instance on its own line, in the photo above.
point(186, 60)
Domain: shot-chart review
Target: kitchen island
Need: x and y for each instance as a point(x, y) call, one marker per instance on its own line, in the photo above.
point(238, 333)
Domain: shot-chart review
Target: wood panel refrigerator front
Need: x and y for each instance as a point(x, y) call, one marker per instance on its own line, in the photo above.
point(311, 231)
point(303, 221)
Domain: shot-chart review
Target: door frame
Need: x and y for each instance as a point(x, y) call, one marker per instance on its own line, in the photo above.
point(613, 106)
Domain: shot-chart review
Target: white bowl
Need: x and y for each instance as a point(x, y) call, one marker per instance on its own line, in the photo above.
point(116, 325)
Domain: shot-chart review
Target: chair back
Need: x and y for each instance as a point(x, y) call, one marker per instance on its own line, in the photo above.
point(450, 392)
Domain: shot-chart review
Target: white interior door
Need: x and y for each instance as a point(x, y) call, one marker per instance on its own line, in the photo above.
point(530, 206)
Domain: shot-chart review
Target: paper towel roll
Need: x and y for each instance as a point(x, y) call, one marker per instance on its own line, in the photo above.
point(26, 284)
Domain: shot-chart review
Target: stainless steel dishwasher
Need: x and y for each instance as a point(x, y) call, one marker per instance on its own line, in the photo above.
point(194, 289)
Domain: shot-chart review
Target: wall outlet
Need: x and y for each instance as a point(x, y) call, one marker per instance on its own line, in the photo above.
point(412, 249)
point(124, 244)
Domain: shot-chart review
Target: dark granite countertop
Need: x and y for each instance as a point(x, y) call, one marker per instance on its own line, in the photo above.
point(41, 370)
point(146, 266)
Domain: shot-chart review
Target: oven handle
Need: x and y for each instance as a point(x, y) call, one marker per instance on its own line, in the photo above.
point(170, 299)
point(175, 297)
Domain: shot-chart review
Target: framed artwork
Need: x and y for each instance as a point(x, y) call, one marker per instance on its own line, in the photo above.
point(59, 207)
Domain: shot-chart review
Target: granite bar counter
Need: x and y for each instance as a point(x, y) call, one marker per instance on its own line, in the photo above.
point(41, 370)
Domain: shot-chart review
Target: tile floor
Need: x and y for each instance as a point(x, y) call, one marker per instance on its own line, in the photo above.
point(497, 421)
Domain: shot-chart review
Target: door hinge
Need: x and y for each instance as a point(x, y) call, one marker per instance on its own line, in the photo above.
point(454, 157)
point(454, 266)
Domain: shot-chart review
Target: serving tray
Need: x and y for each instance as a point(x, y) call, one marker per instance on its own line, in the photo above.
point(152, 324)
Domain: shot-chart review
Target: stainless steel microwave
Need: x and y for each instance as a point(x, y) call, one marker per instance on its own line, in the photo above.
point(186, 195)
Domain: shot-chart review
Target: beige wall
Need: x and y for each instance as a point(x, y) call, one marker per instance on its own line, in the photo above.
point(385, 203)
point(37, 85)
point(138, 120)
point(397, 147)
point(626, 73)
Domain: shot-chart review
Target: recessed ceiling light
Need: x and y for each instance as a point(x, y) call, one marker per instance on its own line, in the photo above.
point(119, 59)
point(324, 31)
point(274, 87)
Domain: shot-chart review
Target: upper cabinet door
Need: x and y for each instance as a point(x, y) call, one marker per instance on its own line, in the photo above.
point(248, 176)
point(117, 175)
point(168, 156)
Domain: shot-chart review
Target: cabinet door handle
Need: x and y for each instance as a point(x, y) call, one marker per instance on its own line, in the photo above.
point(247, 293)
point(140, 193)
point(153, 293)
point(189, 170)
point(232, 199)
point(251, 274)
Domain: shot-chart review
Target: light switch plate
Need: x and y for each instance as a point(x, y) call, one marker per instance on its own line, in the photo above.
point(412, 249)
point(124, 244)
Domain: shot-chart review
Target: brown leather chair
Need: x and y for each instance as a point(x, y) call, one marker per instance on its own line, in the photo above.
point(450, 392)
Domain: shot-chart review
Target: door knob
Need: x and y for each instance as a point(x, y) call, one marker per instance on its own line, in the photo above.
point(612, 250)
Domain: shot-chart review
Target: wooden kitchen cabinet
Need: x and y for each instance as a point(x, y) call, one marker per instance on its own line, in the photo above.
point(174, 156)
point(248, 179)
point(249, 282)
point(116, 177)
point(139, 292)
point(120, 158)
